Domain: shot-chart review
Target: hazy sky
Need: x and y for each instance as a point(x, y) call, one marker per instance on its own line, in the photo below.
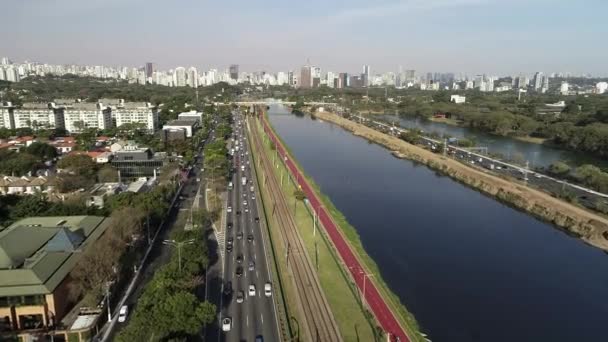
point(494, 36)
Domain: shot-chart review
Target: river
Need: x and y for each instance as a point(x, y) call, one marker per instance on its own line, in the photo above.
point(537, 155)
point(467, 266)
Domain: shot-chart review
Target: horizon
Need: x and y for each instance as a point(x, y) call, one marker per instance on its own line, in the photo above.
point(460, 36)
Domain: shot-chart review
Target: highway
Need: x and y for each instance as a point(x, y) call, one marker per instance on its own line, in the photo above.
point(586, 197)
point(375, 302)
point(245, 252)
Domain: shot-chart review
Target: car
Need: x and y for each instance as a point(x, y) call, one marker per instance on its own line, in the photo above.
point(229, 248)
point(239, 259)
point(244, 195)
point(239, 271)
point(257, 219)
point(267, 290)
point(122, 314)
point(226, 324)
point(259, 338)
point(229, 225)
point(240, 297)
point(246, 210)
point(251, 290)
point(250, 238)
point(230, 240)
point(245, 202)
point(228, 289)
point(253, 197)
point(238, 212)
point(251, 266)
point(239, 236)
point(229, 209)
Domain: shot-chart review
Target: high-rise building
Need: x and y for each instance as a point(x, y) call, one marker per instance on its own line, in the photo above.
point(538, 81)
point(365, 77)
point(234, 71)
point(290, 78)
point(149, 69)
point(410, 75)
point(306, 77)
point(564, 89)
point(545, 86)
point(179, 77)
point(601, 87)
point(192, 77)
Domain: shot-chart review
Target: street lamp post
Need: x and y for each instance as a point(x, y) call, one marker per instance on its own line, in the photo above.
point(178, 245)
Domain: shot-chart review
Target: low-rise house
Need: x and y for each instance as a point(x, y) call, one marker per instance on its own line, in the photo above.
point(63, 145)
point(25, 185)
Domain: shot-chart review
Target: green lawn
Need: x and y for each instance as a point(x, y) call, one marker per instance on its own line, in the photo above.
point(339, 290)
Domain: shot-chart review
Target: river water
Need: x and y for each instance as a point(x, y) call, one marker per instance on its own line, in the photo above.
point(536, 154)
point(468, 267)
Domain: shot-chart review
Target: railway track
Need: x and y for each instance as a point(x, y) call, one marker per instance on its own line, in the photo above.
point(320, 323)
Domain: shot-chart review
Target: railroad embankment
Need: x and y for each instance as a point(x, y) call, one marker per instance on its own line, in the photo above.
point(590, 227)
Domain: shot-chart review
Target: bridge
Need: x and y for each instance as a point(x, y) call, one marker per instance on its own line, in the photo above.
point(270, 102)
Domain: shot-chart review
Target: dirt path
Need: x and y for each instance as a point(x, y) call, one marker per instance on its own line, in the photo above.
point(591, 227)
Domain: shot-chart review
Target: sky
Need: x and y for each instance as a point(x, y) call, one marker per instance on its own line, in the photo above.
point(468, 36)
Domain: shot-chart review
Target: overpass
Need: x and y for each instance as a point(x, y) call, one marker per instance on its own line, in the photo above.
point(270, 102)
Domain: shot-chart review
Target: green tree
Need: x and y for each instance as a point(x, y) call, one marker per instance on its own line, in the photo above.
point(559, 168)
point(79, 164)
point(41, 150)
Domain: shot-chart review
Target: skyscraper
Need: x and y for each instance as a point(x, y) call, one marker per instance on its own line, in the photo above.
point(193, 77)
point(365, 77)
point(179, 77)
point(234, 71)
point(538, 81)
point(410, 75)
point(306, 77)
point(149, 69)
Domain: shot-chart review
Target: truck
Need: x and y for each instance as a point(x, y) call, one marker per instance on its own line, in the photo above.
point(244, 180)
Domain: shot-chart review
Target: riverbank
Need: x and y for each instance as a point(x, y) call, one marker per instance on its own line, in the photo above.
point(590, 227)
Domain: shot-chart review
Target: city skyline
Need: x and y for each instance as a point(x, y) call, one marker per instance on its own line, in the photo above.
point(469, 36)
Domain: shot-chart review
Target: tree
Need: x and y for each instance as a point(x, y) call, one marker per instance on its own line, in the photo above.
point(298, 195)
point(78, 164)
point(107, 174)
point(41, 150)
point(559, 168)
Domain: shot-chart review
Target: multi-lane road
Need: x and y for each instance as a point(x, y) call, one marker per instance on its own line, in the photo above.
point(245, 298)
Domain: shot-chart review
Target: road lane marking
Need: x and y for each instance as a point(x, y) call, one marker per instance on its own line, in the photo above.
point(262, 318)
point(247, 320)
point(256, 273)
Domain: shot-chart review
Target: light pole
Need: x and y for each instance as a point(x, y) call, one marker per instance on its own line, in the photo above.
point(108, 284)
point(178, 245)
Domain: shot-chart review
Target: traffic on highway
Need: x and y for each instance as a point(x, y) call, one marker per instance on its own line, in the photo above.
point(248, 310)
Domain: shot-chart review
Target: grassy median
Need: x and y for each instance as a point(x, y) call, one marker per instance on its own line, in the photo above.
point(406, 318)
point(354, 322)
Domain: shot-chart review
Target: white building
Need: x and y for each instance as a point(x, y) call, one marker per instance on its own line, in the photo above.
point(179, 77)
point(458, 99)
point(136, 112)
point(188, 125)
point(564, 88)
point(191, 115)
point(87, 115)
point(193, 77)
point(601, 87)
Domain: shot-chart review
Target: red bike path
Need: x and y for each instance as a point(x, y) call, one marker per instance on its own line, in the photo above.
point(373, 299)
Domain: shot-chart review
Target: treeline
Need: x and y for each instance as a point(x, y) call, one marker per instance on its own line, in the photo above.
point(588, 175)
point(28, 160)
point(169, 309)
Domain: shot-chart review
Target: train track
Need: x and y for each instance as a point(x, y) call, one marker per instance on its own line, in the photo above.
point(320, 323)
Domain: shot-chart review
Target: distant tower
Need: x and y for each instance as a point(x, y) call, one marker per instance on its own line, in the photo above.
point(366, 75)
point(149, 69)
point(306, 77)
point(234, 71)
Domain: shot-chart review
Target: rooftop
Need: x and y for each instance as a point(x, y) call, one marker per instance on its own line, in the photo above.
point(37, 253)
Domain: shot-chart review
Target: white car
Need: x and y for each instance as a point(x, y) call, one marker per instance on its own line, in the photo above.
point(246, 209)
point(251, 290)
point(226, 324)
point(229, 209)
point(122, 314)
point(267, 289)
